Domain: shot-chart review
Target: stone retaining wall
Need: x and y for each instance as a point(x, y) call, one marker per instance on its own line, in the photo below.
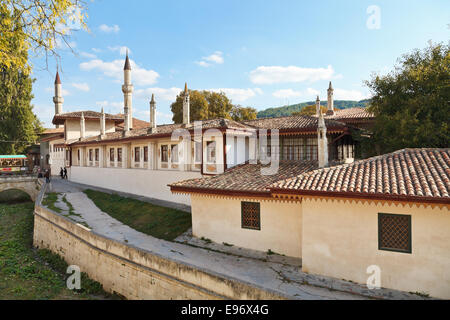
point(129, 271)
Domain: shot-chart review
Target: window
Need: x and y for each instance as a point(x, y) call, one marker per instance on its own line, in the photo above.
point(137, 155)
point(174, 153)
point(250, 215)
point(78, 154)
point(394, 232)
point(119, 154)
point(211, 151)
point(90, 154)
point(145, 154)
point(164, 155)
point(96, 154)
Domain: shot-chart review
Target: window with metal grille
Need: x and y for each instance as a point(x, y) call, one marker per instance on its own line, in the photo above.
point(394, 232)
point(250, 215)
point(111, 155)
point(119, 154)
point(96, 154)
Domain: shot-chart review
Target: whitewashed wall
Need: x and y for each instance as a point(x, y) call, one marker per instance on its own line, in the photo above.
point(149, 183)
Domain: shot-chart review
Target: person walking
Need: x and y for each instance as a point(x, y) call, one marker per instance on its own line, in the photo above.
point(61, 173)
point(65, 173)
point(47, 176)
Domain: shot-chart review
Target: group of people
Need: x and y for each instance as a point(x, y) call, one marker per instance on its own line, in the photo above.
point(63, 173)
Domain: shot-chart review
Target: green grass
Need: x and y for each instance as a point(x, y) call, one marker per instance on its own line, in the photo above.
point(28, 273)
point(49, 201)
point(159, 222)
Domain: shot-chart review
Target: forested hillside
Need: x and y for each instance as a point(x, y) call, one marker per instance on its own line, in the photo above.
point(288, 110)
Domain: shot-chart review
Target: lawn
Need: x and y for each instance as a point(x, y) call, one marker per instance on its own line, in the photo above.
point(28, 273)
point(159, 222)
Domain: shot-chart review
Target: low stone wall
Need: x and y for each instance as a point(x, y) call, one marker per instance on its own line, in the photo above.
point(129, 271)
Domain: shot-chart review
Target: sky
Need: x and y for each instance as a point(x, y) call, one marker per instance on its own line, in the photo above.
point(260, 53)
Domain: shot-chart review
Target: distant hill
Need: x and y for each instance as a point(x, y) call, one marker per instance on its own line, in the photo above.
point(287, 110)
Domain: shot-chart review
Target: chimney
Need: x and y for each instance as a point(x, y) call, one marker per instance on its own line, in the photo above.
point(153, 115)
point(102, 124)
point(58, 100)
point(186, 106)
point(317, 106)
point(330, 101)
point(322, 143)
point(82, 126)
point(127, 89)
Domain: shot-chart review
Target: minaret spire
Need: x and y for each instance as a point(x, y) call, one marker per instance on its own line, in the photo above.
point(317, 106)
point(330, 101)
point(58, 100)
point(322, 142)
point(153, 127)
point(186, 105)
point(82, 126)
point(127, 89)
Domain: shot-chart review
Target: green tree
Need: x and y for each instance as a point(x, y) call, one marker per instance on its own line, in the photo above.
point(18, 124)
point(219, 106)
point(239, 113)
point(411, 103)
point(198, 107)
point(45, 25)
point(309, 111)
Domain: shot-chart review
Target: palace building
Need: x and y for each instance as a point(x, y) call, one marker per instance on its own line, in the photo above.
point(122, 153)
point(293, 185)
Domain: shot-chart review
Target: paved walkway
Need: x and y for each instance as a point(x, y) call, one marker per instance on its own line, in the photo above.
point(280, 277)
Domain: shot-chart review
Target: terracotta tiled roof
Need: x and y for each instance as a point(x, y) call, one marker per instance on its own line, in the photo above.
point(351, 113)
point(408, 174)
point(165, 129)
point(53, 130)
point(137, 123)
point(301, 123)
point(59, 119)
point(244, 178)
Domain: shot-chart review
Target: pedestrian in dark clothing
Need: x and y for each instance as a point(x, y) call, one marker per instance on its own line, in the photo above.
point(47, 176)
point(65, 173)
point(61, 173)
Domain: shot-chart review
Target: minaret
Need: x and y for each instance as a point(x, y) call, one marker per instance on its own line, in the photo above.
point(186, 105)
point(82, 126)
point(102, 124)
point(317, 106)
point(322, 143)
point(330, 101)
point(127, 89)
point(58, 99)
point(153, 115)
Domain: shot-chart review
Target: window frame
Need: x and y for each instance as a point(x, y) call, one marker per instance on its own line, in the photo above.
point(211, 157)
point(259, 215)
point(380, 247)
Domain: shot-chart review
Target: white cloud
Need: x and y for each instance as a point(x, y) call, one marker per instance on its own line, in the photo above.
point(111, 106)
point(237, 94)
point(289, 93)
point(114, 69)
point(96, 50)
point(121, 49)
point(109, 29)
point(88, 55)
point(215, 58)
point(278, 74)
point(341, 94)
point(161, 94)
point(81, 86)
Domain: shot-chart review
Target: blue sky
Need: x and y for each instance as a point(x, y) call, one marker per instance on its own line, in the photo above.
point(261, 53)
